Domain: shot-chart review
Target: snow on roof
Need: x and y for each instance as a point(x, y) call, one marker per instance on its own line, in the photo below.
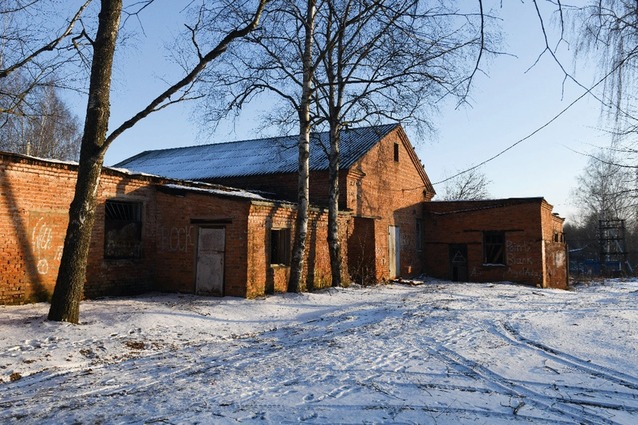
point(272, 155)
point(219, 190)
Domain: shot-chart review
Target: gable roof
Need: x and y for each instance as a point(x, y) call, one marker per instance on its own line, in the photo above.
point(274, 155)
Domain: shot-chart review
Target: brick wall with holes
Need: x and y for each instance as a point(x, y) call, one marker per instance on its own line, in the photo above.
point(35, 196)
point(522, 230)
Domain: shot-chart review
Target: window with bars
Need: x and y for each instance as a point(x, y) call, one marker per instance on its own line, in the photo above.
point(280, 247)
point(494, 248)
point(122, 229)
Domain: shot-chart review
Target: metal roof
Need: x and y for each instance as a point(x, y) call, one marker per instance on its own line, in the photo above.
point(274, 155)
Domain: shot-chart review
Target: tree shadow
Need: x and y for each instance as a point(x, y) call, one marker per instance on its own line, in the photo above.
point(38, 290)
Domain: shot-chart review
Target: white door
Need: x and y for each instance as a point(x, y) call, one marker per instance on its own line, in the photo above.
point(211, 244)
point(394, 250)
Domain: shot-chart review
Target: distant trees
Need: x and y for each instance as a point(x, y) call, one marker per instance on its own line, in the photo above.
point(50, 130)
point(34, 60)
point(606, 189)
point(467, 186)
point(37, 45)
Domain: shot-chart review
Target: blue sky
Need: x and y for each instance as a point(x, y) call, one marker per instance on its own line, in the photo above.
point(509, 103)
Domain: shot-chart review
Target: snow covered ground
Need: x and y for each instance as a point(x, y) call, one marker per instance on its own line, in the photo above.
point(437, 353)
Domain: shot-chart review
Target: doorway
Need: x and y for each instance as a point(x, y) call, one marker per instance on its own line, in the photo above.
point(394, 251)
point(211, 246)
point(458, 262)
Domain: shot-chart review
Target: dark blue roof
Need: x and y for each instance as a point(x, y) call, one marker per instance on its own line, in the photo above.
point(272, 155)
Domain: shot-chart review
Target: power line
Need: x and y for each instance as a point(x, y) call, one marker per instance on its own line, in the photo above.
point(533, 133)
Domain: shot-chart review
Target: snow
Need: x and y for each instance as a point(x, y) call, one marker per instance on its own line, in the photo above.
point(439, 352)
point(219, 190)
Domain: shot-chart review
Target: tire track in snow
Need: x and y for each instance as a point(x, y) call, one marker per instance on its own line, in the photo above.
point(583, 366)
point(515, 388)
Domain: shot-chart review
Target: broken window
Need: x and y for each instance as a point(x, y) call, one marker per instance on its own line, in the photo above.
point(494, 248)
point(396, 152)
point(122, 229)
point(280, 247)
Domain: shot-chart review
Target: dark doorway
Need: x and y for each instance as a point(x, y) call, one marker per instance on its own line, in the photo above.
point(458, 262)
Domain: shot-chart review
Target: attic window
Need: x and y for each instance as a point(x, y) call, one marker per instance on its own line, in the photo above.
point(396, 152)
point(122, 230)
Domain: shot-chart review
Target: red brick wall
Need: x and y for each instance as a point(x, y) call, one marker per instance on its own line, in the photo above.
point(556, 265)
point(266, 278)
point(376, 186)
point(34, 214)
point(284, 186)
point(525, 239)
point(393, 193)
point(179, 216)
point(35, 196)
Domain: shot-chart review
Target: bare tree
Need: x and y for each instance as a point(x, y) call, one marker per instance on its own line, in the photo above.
point(49, 131)
point(606, 189)
point(469, 186)
point(389, 61)
point(95, 141)
point(278, 59)
point(372, 61)
point(305, 127)
point(34, 48)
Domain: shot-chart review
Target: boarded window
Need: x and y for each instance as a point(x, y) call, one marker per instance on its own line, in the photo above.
point(122, 229)
point(280, 247)
point(396, 152)
point(494, 248)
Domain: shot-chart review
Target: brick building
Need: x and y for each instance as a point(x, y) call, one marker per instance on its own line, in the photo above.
point(163, 233)
point(383, 187)
point(151, 233)
point(518, 240)
point(179, 227)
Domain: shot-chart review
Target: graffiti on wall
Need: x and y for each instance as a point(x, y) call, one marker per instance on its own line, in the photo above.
point(519, 254)
point(47, 239)
point(177, 238)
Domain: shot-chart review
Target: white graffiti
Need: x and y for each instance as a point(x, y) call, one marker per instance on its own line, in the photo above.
point(177, 239)
point(42, 237)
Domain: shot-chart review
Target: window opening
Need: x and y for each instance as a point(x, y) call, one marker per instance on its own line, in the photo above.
point(280, 247)
point(122, 229)
point(396, 152)
point(494, 248)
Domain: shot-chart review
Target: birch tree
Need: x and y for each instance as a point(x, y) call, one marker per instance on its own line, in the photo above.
point(50, 130)
point(277, 62)
point(96, 139)
point(390, 61)
point(372, 61)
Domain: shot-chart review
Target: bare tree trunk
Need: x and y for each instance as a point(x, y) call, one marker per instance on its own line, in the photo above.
point(303, 194)
point(65, 305)
point(334, 245)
